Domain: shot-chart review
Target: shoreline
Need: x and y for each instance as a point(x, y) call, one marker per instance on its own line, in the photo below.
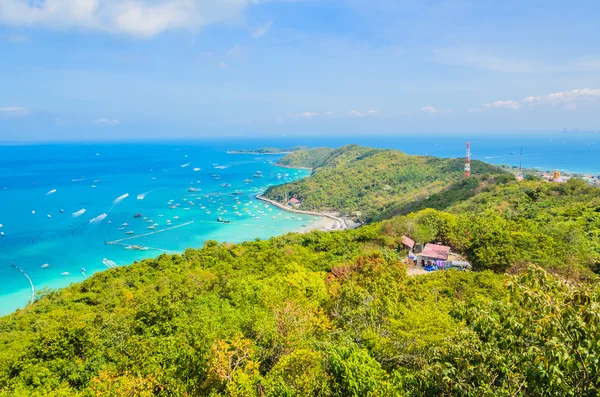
point(333, 219)
point(294, 168)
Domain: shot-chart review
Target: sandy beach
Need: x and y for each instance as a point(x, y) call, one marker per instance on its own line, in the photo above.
point(322, 224)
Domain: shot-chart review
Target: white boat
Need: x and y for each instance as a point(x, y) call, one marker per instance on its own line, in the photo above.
point(65, 273)
point(175, 217)
point(1, 225)
point(108, 263)
point(78, 213)
point(124, 225)
point(51, 192)
point(2, 234)
point(185, 165)
point(121, 228)
point(130, 232)
point(49, 216)
point(150, 227)
point(196, 169)
point(45, 265)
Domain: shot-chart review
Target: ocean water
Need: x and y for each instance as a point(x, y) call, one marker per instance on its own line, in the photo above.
point(68, 243)
point(48, 179)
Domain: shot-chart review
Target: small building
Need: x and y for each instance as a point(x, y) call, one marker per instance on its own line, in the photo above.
point(433, 254)
point(408, 243)
point(557, 178)
point(294, 202)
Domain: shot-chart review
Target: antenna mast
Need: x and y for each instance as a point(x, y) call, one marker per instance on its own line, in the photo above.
point(521, 160)
point(468, 161)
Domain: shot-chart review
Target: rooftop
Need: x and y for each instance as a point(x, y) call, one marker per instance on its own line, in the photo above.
point(408, 242)
point(436, 251)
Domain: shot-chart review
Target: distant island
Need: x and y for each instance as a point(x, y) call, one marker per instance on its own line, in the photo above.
point(268, 150)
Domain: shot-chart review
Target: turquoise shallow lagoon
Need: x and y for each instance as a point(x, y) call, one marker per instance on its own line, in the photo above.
point(37, 182)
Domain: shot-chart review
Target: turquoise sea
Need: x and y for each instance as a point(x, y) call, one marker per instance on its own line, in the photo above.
point(44, 190)
point(46, 179)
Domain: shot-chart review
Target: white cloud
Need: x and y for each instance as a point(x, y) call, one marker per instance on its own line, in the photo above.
point(139, 18)
point(569, 99)
point(303, 115)
point(261, 30)
point(498, 105)
point(14, 111)
point(356, 113)
point(107, 122)
point(429, 109)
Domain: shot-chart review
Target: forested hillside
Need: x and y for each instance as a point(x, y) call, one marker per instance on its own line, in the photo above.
point(319, 314)
point(381, 183)
point(335, 314)
point(310, 158)
point(556, 226)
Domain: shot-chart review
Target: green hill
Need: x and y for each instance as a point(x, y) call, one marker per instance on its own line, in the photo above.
point(336, 314)
point(319, 314)
point(311, 158)
point(381, 183)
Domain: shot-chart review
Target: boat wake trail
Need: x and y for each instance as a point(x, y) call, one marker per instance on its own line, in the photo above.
point(78, 213)
point(143, 195)
point(120, 198)
point(98, 219)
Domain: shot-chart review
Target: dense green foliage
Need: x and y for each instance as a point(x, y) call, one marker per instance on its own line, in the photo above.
point(311, 158)
point(507, 226)
point(336, 314)
point(381, 183)
point(319, 314)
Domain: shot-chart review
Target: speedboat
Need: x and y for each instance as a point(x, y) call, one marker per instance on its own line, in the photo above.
point(65, 273)
point(137, 216)
point(124, 225)
point(225, 185)
point(45, 265)
point(193, 190)
point(196, 169)
point(108, 263)
point(150, 227)
point(130, 232)
point(248, 180)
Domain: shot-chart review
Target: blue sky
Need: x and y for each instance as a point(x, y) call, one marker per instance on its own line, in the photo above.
point(127, 69)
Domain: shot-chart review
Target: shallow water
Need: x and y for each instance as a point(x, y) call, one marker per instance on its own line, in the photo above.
point(68, 243)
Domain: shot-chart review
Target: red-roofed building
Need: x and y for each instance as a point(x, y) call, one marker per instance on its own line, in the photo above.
point(433, 253)
point(294, 202)
point(408, 242)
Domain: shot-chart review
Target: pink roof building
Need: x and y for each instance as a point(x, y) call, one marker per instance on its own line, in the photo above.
point(436, 251)
point(408, 242)
point(294, 201)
